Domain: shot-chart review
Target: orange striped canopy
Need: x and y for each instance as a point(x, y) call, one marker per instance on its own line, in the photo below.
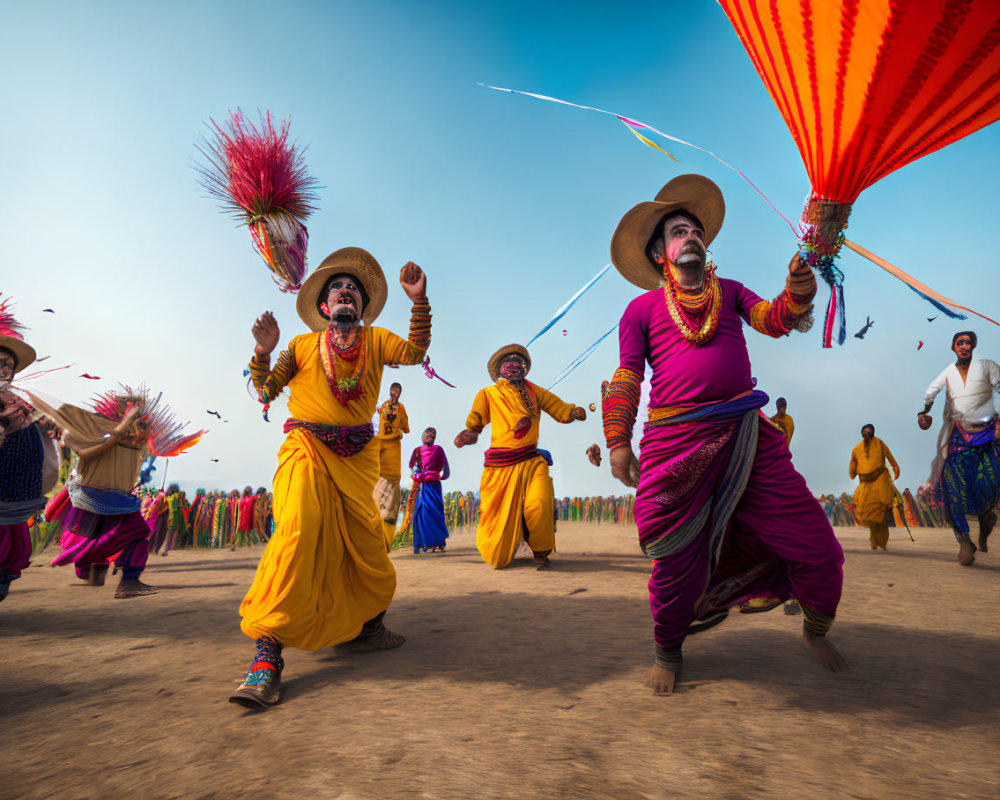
point(867, 86)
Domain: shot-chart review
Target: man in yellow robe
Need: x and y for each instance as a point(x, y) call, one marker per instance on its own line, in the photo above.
point(392, 424)
point(875, 493)
point(325, 576)
point(516, 497)
point(784, 421)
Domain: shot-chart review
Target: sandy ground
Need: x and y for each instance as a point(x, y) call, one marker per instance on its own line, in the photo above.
point(512, 684)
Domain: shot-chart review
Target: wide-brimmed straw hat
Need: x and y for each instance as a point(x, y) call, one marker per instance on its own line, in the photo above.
point(695, 194)
point(493, 365)
point(360, 265)
point(24, 353)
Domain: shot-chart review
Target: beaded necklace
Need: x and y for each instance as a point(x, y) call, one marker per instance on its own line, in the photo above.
point(344, 367)
point(709, 297)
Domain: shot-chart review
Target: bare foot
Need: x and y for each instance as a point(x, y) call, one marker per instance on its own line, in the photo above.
point(966, 554)
point(97, 574)
point(822, 649)
point(661, 680)
point(135, 588)
point(986, 523)
point(382, 638)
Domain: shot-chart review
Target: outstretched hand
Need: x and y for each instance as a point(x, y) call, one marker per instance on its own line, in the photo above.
point(594, 454)
point(414, 281)
point(466, 437)
point(625, 466)
point(924, 421)
point(266, 333)
point(578, 413)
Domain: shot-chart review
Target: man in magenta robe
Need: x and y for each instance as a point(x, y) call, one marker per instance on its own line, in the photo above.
point(720, 509)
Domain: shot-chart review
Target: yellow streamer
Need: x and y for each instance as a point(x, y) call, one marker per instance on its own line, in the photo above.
point(651, 143)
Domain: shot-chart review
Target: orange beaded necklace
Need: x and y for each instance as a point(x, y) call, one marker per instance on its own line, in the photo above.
point(708, 297)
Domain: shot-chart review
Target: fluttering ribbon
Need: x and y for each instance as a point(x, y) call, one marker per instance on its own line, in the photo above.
point(430, 373)
point(40, 373)
point(581, 358)
point(569, 303)
point(836, 305)
point(633, 124)
point(939, 301)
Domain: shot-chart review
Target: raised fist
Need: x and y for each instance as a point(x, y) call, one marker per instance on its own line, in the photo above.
point(266, 333)
point(413, 280)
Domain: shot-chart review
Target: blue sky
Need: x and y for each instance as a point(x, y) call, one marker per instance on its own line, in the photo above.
point(508, 203)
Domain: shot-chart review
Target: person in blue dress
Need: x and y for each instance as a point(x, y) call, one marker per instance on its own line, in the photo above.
point(425, 520)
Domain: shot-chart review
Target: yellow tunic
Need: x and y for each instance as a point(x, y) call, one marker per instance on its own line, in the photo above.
point(117, 468)
point(872, 498)
point(787, 425)
point(326, 570)
point(390, 433)
point(516, 502)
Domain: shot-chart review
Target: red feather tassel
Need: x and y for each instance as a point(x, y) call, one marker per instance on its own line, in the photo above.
point(262, 179)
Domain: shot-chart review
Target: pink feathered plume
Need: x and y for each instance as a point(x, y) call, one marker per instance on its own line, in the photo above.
point(262, 180)
point(166, 434)
point(9, 326)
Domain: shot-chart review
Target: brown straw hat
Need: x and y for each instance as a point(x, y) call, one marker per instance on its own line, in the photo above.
point(493, 365)
point(353, 261)
point(695, 194)
point(23, 352)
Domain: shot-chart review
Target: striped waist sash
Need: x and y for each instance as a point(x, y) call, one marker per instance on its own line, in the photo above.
point(344, 440)
point(715, 412)
point(508, 457)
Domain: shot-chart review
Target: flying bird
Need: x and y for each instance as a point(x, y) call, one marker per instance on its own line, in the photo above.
point(48, 311)
point(861, 334)
point(214, 414)
point(931, 319)
point(90, 377)
point(214, 460)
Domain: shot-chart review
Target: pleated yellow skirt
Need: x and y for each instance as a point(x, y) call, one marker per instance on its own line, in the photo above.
point(515, 504)
point(326, 570)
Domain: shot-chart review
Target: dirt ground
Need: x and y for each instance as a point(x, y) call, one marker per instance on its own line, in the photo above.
point(512, 684)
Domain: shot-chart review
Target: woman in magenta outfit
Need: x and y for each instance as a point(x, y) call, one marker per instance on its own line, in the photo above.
point(720, 509)
point(426, 521)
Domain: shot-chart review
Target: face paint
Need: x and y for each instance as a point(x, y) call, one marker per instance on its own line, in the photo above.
point(684, 242)
point(513, 368)
point(343, 301)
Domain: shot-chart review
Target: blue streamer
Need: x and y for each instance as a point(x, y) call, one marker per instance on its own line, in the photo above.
point(581, 358)
point(939, 306)
point(569, 303)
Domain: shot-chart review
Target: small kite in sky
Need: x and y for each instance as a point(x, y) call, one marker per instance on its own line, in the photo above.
point(90, 377)
point(43, 358)
point(48, 311)
point(564, 331)
point(214, 460)
point(919, 345)
point(861, 334)
point(214, 413)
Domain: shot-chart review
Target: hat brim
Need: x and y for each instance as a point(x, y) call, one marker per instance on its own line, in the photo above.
point(360, 265)
point(493, 365)
point(24, 353)
point(694, 194)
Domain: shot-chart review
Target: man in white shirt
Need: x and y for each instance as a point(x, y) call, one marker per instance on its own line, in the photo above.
point(965, 473)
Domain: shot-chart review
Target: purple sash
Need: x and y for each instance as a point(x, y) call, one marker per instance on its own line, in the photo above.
point(344, 440)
